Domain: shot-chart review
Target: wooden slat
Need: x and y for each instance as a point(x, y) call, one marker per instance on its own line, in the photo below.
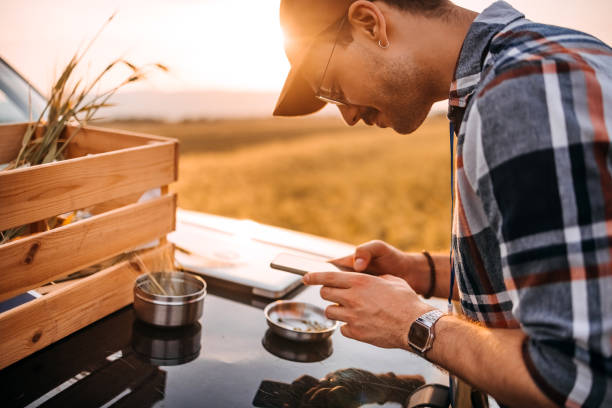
point(89, 140)
point(36, 193)
point(10, 141)
point(33, 261)
point(123, 134)
point(99, 140)
point(36, 324)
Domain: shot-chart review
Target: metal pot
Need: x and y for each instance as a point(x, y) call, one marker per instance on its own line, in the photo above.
point(170, 310)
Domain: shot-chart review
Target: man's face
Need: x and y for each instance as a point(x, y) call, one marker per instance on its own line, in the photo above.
point(379, 86)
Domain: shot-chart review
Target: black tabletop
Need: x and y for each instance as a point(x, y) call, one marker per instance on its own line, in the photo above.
point(229, 359)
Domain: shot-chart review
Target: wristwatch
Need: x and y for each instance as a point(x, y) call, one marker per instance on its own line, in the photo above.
point(421, 334)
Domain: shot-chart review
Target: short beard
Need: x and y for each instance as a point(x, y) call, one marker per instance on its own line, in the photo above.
point(406, 94)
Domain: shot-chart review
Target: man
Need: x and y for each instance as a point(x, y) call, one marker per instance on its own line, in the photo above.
point(531, 106)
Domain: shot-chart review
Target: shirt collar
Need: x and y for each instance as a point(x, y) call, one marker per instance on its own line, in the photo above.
point(475, 48)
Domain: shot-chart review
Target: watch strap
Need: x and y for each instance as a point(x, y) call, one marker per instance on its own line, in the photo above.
point(430, 318)
point(426, 320)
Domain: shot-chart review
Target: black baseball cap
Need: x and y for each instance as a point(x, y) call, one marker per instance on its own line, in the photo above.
point(303, 21)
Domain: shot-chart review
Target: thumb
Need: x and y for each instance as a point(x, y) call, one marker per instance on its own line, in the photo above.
point(361, 259)
point(368, 251)
point(355, 262)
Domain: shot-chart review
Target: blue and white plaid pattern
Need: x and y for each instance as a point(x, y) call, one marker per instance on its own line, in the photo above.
point(532, 228)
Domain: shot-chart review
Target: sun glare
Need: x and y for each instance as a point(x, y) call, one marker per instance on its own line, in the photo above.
point(212, 44)
point(242, 46)
point(217, 44)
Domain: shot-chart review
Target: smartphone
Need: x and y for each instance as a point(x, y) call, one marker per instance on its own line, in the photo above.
point(302, 266)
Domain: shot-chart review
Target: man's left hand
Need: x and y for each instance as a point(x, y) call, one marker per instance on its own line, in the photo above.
point(376, 309)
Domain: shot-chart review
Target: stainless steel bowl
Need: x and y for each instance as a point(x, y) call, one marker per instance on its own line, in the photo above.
point(299, 321)
point(176, 310)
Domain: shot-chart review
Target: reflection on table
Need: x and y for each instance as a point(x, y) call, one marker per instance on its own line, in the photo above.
point(346, 388)
point(226, 360)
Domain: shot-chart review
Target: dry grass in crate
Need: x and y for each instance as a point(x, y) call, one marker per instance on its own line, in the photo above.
point(70, 102)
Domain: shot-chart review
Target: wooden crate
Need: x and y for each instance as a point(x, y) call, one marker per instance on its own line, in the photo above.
point(106, 169)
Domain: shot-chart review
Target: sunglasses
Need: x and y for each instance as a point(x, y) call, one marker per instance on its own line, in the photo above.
point(327, 94)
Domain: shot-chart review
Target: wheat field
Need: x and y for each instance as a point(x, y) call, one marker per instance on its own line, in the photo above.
point(317, 175)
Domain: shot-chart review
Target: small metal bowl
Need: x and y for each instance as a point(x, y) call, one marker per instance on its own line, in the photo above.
point(299, 321)
point(169, 310)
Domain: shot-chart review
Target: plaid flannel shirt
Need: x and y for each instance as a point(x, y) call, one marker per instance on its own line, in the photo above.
point(532, 226)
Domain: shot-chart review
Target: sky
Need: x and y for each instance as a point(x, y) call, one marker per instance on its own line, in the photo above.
point(232, 45)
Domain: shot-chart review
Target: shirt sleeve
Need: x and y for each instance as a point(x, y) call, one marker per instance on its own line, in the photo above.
point(545, 181)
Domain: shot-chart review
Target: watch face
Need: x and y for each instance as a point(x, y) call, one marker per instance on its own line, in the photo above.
point(418, 335)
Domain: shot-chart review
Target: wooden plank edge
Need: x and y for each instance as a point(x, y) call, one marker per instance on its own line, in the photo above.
point(12, 134)
point(176, 159)
point(164, 191)
point(11, 137)
point(42, 245)
point(41, 322)
point(11, 217)
point(145, 136)
point(42, 167)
